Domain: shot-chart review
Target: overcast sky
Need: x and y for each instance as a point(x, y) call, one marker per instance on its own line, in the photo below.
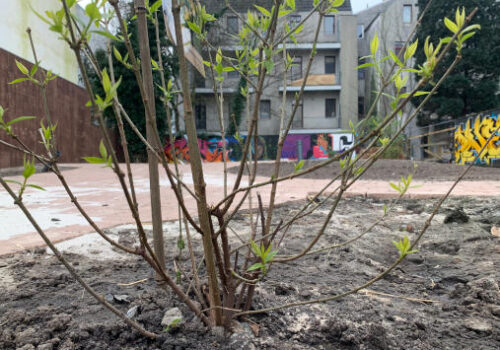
point(357, 5)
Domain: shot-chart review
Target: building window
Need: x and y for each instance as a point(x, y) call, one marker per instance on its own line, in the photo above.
point(329, 64)
point(361, 71)
point(407, 13)
point(295, 20)
point(361, 31)
point(265, 109)
point(330, 107)
point(299, 115)
point(233, 74)
point(361, 106)
point(329, 25)
point(296, 69)
point(398, 46)
point(200, 114)
point(232, 25)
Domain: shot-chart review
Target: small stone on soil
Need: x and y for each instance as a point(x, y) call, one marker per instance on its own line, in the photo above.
point(172, 318)
point(478, 325)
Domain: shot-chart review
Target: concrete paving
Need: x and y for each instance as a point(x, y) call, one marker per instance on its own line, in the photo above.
point(99, 193)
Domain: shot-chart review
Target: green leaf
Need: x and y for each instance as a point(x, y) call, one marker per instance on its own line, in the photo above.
point(22, 68)
point(180, 244)
point(364, 65)
point(155, 6)
point(106, 34)
point(299, 166)
point(450, 25)
point(20, 119)
point(263, 10)
point(94, 160)
point(37, 187)
point(20, 80)
point(194, 27)
point(256, 267)
point(410, 50)
point(92, 11)
point(255, 248)
point(14, 182)
point(396, 59)
point(269, 257)
point(394, 186)
point(102, 150)
point(374, 45)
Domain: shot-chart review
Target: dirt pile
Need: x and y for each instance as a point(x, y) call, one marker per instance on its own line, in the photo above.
point(446, 296)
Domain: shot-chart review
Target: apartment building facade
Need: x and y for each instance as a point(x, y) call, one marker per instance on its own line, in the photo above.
point(393, 21)
point(329, 101)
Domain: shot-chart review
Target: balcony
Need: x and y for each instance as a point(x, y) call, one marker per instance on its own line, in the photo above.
point(315, 82)
point(314, 124)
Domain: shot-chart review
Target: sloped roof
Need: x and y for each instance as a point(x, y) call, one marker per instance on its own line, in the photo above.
point(368, 16)
point(245, 5)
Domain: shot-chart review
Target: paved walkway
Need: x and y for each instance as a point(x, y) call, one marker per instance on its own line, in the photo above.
point(98, 192)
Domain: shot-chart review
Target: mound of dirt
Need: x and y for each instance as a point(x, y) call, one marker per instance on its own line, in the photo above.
point(446, 296)
point(388, 169)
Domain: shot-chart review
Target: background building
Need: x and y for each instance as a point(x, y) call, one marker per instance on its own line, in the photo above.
point(393, 21)
point(330, 97)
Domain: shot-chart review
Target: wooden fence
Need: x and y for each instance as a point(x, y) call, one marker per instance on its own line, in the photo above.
point(76, 135)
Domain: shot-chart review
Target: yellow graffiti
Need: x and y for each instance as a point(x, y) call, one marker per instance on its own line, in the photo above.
point(470, 140)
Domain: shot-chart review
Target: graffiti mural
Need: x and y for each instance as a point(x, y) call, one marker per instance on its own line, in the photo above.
point(313, 146)
point(211, 149)
point(470, 139)
point(316, 146)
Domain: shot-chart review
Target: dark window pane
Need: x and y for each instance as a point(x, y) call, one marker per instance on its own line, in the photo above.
point(361, 106)
point(330, 107)
point(200, 113)
point(296, 69)
point(361, 71)
point(329, 64)
point(329, 25)
point(299, 115)
point(265, 109)
point(295, 20)
point(232, 25)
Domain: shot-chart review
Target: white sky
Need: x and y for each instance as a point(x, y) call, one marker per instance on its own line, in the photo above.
point(357, 5)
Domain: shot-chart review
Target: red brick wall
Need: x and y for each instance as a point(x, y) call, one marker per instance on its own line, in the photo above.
point(76, 136)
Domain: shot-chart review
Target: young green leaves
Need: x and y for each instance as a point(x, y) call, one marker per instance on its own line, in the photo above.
point(404, 246)
point(28, 171)
point(109, 90)
point(457, 26)
point(29, 75)
point(103, 159)
point(7, 125)
point(265, 254)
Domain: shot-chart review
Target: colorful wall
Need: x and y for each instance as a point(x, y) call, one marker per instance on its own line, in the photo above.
point(314, 146)
point(472, 136)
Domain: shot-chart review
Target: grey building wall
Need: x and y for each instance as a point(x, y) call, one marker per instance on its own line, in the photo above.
point(340, 44)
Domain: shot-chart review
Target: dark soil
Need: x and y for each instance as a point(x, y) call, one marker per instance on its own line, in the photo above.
point(457, 267)
point(388, 169)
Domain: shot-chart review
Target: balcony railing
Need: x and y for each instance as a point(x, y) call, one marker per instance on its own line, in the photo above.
point(311, 123)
